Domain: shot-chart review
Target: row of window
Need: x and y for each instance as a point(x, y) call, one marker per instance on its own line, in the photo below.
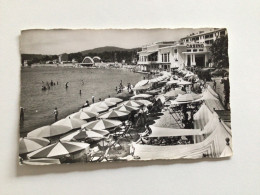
point(166, 57)
point(194, 50)
point(217, 34)
point(143, 58)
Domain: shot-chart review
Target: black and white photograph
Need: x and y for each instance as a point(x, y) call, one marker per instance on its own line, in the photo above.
point(124, 95)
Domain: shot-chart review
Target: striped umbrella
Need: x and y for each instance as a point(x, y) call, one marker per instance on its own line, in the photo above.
point(95, 109)
point(132, 103)
point(58, 149)
point(83, 134)
point(114, 114)
point(64, 125)
point(27, 144)
point(44, 131)
point(102, 124)
point(106, 104)
point(125, 108)
point(141, 96)
point(116, 100)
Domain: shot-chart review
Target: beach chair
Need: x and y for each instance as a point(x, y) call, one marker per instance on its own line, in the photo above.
point(99, 157)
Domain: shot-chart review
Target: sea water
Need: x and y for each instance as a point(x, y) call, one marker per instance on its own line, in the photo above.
point(39, 104)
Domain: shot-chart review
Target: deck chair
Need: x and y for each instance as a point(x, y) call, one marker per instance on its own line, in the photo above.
point(99, 157)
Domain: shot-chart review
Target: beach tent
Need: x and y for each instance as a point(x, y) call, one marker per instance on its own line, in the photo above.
point(59, 149)
point(214, 104)
point(211, 147)
point(41, 161)
point(227, 151)
point(170, 132)
point(83, 134)
point(116, 100)
point(212, 91)
point(206, 95)
point(102, 124)
point(200, 119)
point(28, 144)
point(114, 114)
point(141, 96)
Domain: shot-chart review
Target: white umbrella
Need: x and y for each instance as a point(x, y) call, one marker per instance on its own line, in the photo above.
point(113, 114)
point(102, 124)
point(145, 102)
point(30, 144)
point(116, 100)
point(59, 149)
point(83, 134)
point(141, 96)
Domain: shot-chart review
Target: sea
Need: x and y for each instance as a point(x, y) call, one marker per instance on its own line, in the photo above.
point(39, 104)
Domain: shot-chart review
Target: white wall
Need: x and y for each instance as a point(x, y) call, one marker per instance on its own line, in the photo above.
point(238, 175)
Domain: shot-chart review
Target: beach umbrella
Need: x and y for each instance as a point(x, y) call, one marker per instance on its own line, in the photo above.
point(44, 131)
point(83, 134)
point(172, 82)
point(132, 103)
point(145, 102)
point(141, 83)
point(113, 114)
point(106, 104)
point(189, 97)
point(174, 93)
point(74, 115)
point(58, 149)
point(95, 109)
point(116, 100)
point(182, 82)
point(102, 124)
point(27, 144)
point(141, 96)
point(126, 108)
point(42, 161)
point(87, 115)
point(64, 125)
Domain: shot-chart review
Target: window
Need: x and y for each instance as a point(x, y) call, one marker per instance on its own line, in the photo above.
point(200, 49)
point(194, 50)
point(188, 50)
point(175, 51)
point(222, 33)
point(162, 57)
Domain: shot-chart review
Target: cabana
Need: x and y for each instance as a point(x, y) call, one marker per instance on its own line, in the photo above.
point(212, 147)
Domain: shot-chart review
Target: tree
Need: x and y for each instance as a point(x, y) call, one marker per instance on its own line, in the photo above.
point(219, 52)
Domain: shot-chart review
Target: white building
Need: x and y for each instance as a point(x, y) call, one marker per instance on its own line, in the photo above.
point(192, 50)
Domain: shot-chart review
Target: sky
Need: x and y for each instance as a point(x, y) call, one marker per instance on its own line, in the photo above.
point(58, 41)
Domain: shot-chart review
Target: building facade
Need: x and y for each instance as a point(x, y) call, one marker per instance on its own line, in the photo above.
point(190, 51)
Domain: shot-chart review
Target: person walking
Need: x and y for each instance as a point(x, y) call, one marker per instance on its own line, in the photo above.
point(56, 113)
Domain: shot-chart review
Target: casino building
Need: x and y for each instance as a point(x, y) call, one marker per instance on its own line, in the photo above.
point(189, 51)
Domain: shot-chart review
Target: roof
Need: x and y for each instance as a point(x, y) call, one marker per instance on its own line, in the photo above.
point(209, 32)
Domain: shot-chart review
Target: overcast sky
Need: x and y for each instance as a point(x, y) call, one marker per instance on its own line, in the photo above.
point(68, 41)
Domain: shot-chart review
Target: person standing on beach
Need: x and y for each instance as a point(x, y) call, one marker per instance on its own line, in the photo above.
point(93, 99)
point(67, 85)
point(56, 113)
point(80, 92)
point(214, 84)
point(21, 114)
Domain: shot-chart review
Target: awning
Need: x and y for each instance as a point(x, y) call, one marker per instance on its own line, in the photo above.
point(170, 132)
point(147, 53)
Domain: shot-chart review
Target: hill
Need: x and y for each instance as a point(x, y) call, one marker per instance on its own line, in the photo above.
point(105, 49)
